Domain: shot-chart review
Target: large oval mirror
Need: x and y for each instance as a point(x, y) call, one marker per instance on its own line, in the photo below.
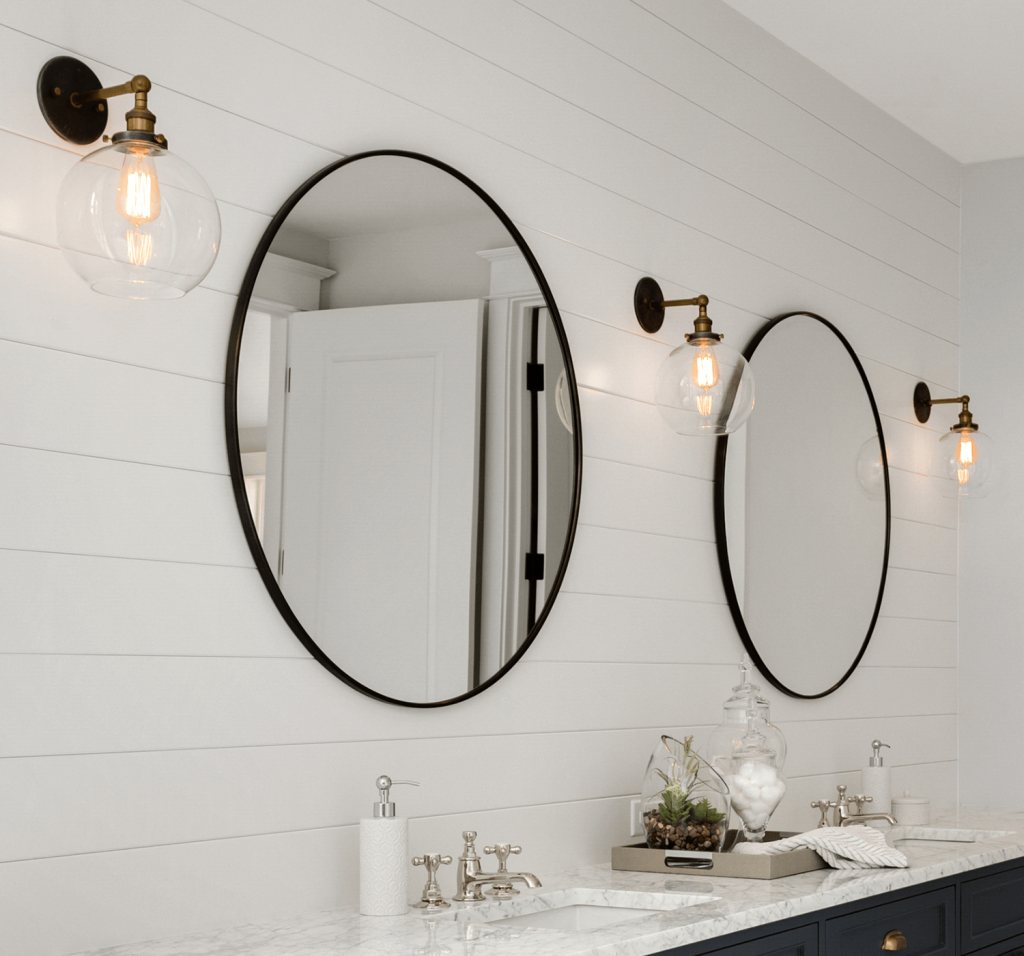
point(802, 509)
point(403, 428)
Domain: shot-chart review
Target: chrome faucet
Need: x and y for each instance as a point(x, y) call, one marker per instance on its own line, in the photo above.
point(470, 879)
point(842, 816)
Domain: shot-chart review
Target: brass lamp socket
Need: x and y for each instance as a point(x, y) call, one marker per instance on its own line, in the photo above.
point(649, 305)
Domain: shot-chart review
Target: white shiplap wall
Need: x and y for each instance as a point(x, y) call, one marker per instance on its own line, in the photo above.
point(991, 652)
point(170, 758)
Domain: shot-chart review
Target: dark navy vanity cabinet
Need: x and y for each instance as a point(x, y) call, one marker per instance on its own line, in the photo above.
point(977, 913)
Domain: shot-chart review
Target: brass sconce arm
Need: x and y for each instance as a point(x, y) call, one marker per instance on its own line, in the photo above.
point(137, 84)
point(650, 305)
point(923, 402)
point(701, 300)
point(75, 104)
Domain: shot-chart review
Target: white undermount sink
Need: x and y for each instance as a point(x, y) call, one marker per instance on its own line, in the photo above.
point(928, 836)
point(576, 917)
point(578, 910)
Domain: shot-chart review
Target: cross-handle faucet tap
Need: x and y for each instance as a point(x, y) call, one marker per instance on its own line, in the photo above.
point(432, 898)
point(824, 806)
point(860, 800)
point(501, 851)
point(470, 879)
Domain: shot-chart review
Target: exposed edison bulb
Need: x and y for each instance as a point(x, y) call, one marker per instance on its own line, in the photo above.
point(966, 457)
point(705, 367)
point(705, 376)
point(138, 191)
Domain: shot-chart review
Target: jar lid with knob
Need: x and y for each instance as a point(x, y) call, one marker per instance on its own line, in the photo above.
point(729, 738)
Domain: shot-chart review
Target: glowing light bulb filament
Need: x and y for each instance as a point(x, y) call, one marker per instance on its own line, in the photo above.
point(966, 457)
point(704, 375)
point(138, 192)
point(138, 196)
point(705, 368)
point(140, 247)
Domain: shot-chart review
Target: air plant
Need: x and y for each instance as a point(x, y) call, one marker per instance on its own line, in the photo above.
point(676, 806)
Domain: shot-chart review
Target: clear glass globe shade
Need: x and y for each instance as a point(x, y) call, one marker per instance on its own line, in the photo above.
point(136, 221)
point(966, 459)
point(871, 469)
point(705, 388)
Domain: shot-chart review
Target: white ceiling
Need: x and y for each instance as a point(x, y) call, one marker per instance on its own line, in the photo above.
point(952, 70)
point(384, 194)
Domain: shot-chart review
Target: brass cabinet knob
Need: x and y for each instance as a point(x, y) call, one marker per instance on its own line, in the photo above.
point(893, 940)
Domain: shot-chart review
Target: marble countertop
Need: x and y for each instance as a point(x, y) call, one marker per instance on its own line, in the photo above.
point(717, 906)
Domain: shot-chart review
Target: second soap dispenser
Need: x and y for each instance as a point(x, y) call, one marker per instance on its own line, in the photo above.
point(384, 856)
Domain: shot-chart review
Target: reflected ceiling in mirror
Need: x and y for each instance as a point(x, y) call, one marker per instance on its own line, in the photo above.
point(403, 428)
point(802, 509)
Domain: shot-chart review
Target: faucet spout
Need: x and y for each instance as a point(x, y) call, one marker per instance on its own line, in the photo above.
point(864, 817)
point(500, 883)
point(528, 878)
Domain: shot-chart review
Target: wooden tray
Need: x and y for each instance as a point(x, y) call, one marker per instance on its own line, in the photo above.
point(639, 856)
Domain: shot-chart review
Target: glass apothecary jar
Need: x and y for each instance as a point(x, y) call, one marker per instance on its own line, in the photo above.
point(727, 739)
point(684, 800)
point(755, 784)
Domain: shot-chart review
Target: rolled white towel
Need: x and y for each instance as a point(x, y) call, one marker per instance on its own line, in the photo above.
point(845, 848)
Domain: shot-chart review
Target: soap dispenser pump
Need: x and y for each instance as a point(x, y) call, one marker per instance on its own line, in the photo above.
point(384, 856)
point(876, 783)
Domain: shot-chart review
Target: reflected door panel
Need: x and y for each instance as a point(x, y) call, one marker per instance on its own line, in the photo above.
point(379, 497)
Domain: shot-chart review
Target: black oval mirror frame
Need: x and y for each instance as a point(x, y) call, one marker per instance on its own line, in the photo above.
point(721, 533)
point(234, 453)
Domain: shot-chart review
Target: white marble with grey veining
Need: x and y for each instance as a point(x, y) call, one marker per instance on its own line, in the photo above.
point(691, 907)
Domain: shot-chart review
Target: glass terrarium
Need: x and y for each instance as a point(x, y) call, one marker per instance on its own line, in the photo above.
point(727, 739)
point(685, 801)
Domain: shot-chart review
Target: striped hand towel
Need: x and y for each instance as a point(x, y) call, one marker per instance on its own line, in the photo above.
point(845, 848)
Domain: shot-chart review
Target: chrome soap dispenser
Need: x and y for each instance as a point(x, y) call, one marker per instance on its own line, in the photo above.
point(384, 856)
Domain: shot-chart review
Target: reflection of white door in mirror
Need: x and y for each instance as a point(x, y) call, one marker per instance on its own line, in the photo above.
point(378, 496)
point(499, 600)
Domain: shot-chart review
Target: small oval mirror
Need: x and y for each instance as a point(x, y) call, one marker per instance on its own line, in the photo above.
point(802, 509)
point(403, 428)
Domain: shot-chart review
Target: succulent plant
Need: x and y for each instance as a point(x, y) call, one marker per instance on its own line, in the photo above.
point(674, 808)
point(704, 812)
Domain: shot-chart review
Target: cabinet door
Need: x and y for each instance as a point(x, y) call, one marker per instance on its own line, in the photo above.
point(927, 922)
point(991, 909)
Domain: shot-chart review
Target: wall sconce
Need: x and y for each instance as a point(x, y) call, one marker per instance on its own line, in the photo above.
point(965, 454)
point(704, 387)
point(133, 219)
